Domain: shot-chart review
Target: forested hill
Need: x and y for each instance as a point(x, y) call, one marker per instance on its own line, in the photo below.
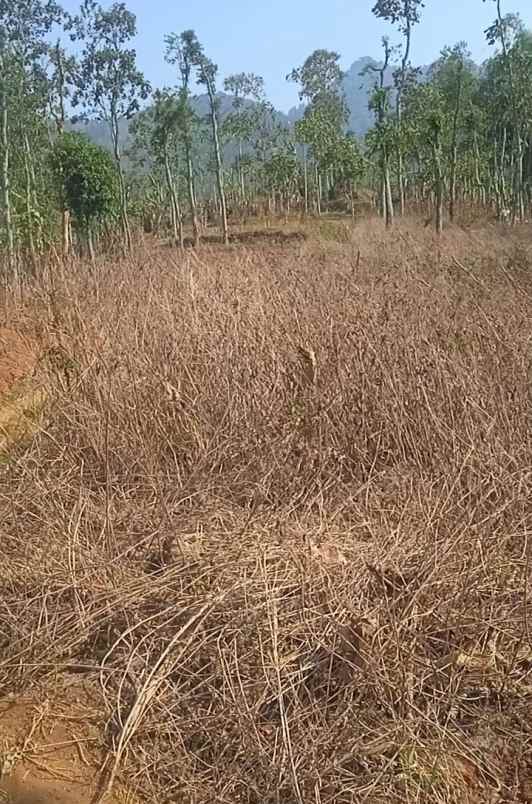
point(358, 83)
point(357, 86)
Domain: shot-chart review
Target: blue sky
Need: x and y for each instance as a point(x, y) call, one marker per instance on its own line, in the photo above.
point(270, 38)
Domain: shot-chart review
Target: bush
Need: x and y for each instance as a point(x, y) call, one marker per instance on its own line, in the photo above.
point(88, 180)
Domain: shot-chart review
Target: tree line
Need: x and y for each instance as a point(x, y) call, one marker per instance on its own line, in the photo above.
point(441, 138)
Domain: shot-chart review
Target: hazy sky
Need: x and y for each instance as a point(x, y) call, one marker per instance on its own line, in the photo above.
point(270, 38)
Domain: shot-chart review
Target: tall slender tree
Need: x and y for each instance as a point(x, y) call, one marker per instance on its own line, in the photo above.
point(405, 14)
point(7, 209)
point(180, 52)
point(207, 71)
point(244, 117)
point(157, 129)
point(506, 31)
point(320, 80)
point(61, 84)
point(24, 27)
point(453, 75)
point(109, 84)
point(381, 138)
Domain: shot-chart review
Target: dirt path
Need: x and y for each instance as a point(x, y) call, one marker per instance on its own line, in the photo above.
point(51, 752)
point(47, 752)
point(21, 399)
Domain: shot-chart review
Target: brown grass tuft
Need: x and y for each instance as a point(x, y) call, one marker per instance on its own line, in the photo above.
point(279, 517)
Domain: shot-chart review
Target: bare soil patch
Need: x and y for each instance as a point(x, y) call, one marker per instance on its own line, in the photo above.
point(51, 750)
point(18, 358)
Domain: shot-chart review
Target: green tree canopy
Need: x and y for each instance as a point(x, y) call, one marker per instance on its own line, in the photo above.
point(88, 179)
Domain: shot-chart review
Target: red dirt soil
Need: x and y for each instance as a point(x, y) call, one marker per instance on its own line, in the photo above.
point(18, 358)
point(52, 750)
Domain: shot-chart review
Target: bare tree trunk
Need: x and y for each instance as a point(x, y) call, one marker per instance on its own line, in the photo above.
point(452, 184)
point(401, 180)
point(519, 205)
point(387, 199)
point(318, 192)
point(241, 178)
point(124, 218)
point(517, 180)
point(305, 177)
point(502, 163)
point(90, 244)
point(60, 122)
point(177, 218)
point(65, 232)
point(454, 145)
point(389, 211)
point(499, 203)
point(480, 196)
point(529, 175)
point(438, 184)
point(218, 161)
point(32, 200)
point(4, 140)
point(399, 109)
point(29, 200)
point(500, 178)
point(123, 208)
point(190, 191)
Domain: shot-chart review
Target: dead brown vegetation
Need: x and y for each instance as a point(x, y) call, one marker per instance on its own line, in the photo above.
point(278, 518)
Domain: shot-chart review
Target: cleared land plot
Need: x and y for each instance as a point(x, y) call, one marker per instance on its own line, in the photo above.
point(277, 521)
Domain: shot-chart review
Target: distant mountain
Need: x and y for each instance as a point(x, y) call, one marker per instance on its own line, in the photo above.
point(296, 113)
point(358, 84)
point(98, 130)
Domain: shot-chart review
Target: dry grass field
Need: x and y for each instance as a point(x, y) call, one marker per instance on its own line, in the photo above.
point(271, 541)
